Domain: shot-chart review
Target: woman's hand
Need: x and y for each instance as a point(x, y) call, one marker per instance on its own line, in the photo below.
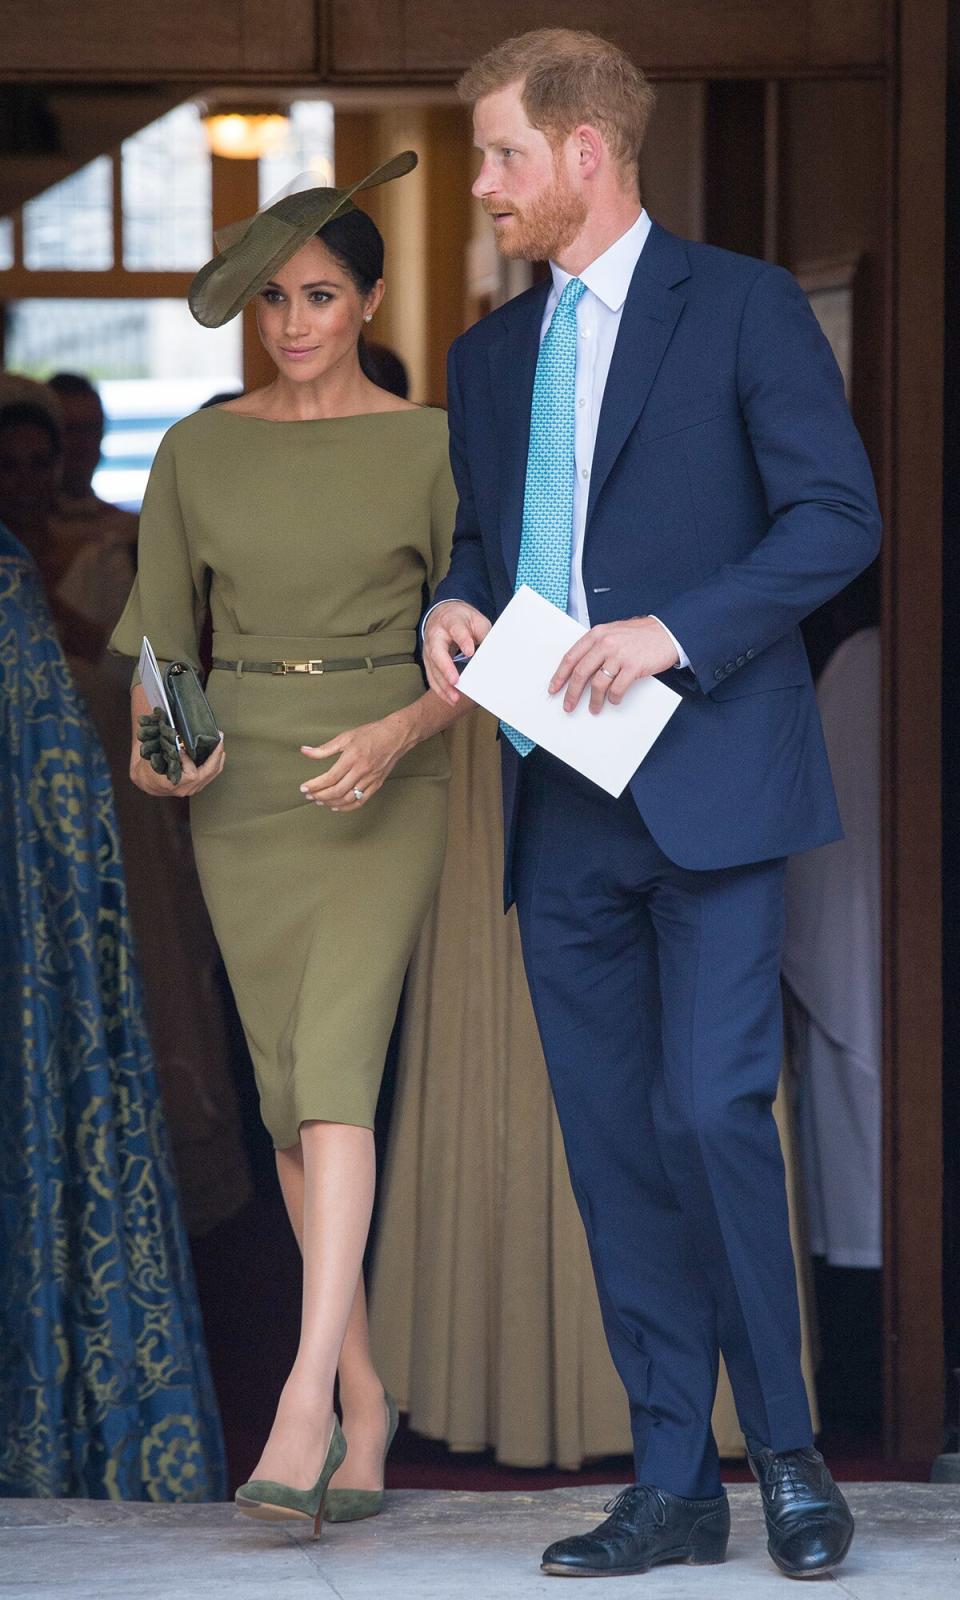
point(366, 757)
point(192, 779)
point(149, 725)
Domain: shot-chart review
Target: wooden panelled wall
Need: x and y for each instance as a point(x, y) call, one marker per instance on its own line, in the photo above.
point(783, 54)
point(349, 41)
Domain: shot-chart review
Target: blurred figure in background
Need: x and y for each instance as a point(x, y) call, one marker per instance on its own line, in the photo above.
point(87, 575)
point(104, 1385)
point(219, 398)
point(832, 967)
point(81, 513)
point(31, 463)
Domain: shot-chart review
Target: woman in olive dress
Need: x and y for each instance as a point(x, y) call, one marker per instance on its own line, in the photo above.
point(309, 518)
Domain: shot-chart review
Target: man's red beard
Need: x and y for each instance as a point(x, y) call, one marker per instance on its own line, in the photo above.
point(544, 228)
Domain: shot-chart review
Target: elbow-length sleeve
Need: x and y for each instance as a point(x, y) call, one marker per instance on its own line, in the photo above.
point(169, 596)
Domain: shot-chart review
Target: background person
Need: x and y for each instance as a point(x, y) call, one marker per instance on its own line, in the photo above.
point(31, 464)
point(81, 513)
point(104, 1386)
point(832, 969)
point(87, 577)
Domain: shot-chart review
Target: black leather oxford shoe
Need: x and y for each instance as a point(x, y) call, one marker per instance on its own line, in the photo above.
point(645, 1527)
point(809, 1525)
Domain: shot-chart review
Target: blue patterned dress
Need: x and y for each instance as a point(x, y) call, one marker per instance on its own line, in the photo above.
point(104, 1385)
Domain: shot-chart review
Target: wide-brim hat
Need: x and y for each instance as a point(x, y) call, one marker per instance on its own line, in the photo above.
point(253, 250)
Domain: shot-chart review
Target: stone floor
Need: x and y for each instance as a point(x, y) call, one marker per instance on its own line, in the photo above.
point(440, 1546)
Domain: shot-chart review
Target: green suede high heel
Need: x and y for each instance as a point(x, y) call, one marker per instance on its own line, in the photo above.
point(350, 1505)
point(277, 1502)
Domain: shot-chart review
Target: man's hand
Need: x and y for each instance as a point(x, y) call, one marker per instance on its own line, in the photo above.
point(452, 628)
point(610, 658)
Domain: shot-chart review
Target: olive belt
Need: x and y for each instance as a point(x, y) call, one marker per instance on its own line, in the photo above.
point(316, 667)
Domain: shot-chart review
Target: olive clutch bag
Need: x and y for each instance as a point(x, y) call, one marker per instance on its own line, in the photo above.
point(193, 718)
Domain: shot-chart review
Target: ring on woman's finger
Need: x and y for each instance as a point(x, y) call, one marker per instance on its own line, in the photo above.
point(607, 674)
point(358, 794)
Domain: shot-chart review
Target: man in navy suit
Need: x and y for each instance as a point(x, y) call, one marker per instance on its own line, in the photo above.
point(719, 494)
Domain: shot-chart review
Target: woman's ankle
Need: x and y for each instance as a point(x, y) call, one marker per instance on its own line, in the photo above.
point(307, 1400)
point(361, 1394)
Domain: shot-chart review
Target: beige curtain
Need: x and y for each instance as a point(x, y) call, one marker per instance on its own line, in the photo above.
point(483, 1313)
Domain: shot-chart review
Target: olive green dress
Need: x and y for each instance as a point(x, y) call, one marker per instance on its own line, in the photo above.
point(304, 540)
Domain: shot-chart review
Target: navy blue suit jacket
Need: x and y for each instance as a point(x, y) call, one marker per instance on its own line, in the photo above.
point(730, 496)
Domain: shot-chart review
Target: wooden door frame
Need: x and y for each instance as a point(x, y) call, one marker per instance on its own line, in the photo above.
point(912, 493)
point(370, 46)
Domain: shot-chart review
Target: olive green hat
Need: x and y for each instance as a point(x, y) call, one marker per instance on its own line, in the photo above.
point(253, 250)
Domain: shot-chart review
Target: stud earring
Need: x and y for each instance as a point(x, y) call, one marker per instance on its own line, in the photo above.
point(368, 316)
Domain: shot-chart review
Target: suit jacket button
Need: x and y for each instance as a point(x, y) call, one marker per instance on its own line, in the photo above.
point(730, 666)
point(718, 674)
point(741, 660)
point(750, 654)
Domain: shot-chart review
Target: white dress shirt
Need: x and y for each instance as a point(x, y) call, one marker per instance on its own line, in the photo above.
point(607, 280)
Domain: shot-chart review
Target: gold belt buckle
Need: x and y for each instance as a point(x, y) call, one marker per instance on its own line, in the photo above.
point(315, 668)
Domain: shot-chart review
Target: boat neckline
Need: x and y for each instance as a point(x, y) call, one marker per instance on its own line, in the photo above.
point(350, 416)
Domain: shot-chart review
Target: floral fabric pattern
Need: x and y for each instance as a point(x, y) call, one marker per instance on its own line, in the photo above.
point(104, 1385)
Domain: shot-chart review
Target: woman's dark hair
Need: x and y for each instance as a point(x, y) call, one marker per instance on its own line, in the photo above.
point(384, 368)
point(356, 245)
point(27, 414)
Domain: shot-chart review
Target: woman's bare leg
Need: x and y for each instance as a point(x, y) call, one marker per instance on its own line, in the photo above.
point(361, 1392)
point(362, 1403)
point(338, 1174)
point(290, 1174)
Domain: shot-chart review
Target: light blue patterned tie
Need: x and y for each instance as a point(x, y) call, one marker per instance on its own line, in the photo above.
point(546, 540)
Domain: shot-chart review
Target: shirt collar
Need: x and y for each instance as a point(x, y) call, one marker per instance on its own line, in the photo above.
point(608, 276)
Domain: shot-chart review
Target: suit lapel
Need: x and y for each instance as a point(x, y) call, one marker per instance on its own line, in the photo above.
point(650, 315)
point(513, 364)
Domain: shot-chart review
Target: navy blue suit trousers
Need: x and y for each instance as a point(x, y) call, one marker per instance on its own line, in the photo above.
point(656, 991)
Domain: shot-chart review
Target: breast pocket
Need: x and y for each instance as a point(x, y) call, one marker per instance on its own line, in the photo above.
point(659, 421)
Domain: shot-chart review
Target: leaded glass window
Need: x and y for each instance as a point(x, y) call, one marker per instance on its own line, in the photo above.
point(165, 185)
point(308, 148)
point(70, 226)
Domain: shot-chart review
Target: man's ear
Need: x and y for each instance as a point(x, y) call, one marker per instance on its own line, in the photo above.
point(590, 149)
